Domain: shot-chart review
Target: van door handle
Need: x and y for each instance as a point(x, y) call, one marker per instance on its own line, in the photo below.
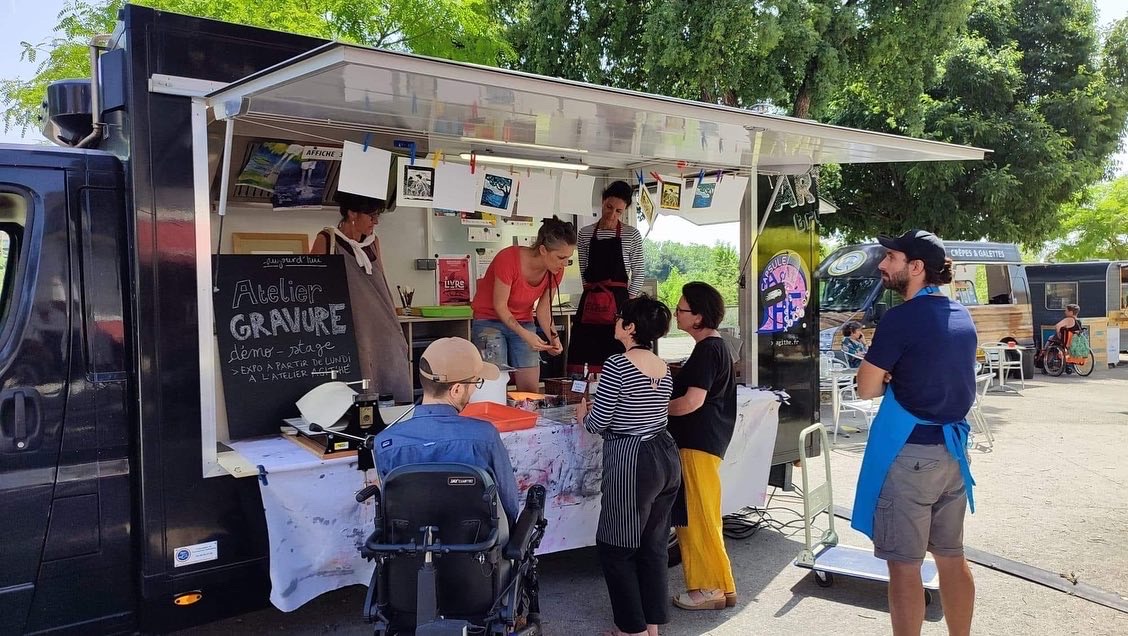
point(23, 405)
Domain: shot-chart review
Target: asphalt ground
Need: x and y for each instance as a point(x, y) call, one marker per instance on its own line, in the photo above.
point(1051, 494)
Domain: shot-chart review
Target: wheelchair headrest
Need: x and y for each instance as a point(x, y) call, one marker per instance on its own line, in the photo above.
point(441, 494)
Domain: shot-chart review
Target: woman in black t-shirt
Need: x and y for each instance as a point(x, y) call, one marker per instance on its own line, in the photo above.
point(702, 419)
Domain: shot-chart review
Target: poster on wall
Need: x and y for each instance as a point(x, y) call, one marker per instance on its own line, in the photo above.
point(452, 280)
point(295, 175)
point(483, 219)
point(416, 184)
point(498, 193)
point(784, 291)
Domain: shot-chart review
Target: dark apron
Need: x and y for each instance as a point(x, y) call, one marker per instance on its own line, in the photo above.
point(592, 344)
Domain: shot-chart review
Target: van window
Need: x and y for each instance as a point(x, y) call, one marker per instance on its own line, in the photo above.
point(1058, 295)
point(13, 214)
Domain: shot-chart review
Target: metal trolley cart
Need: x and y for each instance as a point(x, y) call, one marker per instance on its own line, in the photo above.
point(826, 557)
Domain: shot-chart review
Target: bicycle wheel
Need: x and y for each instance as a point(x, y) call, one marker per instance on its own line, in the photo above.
point(1083, 369)
point(1054, 361)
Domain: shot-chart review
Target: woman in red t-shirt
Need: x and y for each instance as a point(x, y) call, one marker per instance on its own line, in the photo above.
point(517, 278)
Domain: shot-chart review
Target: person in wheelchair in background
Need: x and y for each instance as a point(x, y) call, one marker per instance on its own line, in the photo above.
point(1068, 326)
point(450, 370)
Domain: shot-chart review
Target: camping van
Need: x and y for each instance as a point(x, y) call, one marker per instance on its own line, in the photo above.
point(988, 278)
point(1099, 287)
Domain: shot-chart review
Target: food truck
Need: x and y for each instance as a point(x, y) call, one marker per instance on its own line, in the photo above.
point(1099, 287)
point(988, 278)
point(125, 503)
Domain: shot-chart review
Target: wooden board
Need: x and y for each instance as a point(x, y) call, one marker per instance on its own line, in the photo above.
point(318, 449)
point(995, 323)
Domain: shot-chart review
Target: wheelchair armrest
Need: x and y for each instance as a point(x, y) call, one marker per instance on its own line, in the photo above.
point(528, 523)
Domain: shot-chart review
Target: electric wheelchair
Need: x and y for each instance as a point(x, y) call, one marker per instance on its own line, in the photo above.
point(447, 561)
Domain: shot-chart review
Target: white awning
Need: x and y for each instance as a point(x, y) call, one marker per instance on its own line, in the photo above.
point(462, 107)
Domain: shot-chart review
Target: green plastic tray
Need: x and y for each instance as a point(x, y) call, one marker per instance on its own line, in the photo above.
point(451, 311)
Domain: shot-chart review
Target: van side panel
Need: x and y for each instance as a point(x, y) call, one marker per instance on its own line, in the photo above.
point(177, 506)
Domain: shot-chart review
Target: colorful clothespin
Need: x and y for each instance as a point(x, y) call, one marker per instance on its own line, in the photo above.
point(473, 162)
point(367, 140)
point(700, 177)
point(410, 145)
point(436, 158)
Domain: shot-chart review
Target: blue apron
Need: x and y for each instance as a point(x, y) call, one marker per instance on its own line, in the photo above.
point(887, 436)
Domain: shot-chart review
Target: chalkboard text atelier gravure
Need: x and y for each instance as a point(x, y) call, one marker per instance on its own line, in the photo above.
point(286, 292)
point(312, 320)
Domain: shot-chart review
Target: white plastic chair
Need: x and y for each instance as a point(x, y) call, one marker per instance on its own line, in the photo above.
point(997, 360)
point(977, 419)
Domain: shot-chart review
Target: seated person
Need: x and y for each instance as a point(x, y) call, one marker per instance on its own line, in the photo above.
point(449, 371)
point(1067, 326)
point(854, 343)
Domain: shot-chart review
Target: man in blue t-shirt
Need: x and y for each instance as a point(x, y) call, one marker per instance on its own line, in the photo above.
point(449, 372)
point(925, 350)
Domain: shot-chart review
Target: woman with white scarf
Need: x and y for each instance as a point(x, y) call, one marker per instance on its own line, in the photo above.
point(383, 351)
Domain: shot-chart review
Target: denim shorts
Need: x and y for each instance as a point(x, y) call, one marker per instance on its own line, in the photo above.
point(501, 345)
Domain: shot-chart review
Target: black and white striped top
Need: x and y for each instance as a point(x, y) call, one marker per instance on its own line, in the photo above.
point(632, 253)
point(628, 402)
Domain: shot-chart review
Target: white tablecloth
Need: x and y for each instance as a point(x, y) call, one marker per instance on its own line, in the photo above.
point(316, 526)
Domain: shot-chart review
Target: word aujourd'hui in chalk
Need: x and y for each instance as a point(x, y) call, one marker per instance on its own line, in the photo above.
point(311, 319)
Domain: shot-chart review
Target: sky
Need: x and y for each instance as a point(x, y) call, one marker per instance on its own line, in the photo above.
point(35, 19)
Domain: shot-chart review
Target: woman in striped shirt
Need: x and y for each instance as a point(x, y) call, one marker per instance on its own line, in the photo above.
point(641, 469)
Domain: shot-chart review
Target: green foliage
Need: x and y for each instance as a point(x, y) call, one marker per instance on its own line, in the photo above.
point(464, 30)
point(675, 264)
point(1095, 227)
point(1030, 80)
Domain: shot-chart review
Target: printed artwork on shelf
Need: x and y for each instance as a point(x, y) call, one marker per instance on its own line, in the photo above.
point(295, 175)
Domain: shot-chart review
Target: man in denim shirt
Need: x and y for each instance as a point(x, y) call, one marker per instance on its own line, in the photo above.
point(449, 372)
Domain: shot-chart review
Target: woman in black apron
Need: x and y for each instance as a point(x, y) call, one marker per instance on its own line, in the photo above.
point(592, 338)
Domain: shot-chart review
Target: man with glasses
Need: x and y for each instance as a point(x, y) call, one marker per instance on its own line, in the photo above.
point(450, 370)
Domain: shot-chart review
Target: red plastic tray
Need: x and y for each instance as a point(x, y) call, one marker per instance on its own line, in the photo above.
point(505, 418)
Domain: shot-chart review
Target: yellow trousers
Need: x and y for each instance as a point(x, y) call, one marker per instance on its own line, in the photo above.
point(705, 562)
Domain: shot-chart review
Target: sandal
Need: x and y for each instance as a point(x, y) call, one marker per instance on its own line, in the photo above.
point(730, 599)
point(707, 602)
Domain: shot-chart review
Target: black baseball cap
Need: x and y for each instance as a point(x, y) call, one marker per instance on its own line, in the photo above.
point(918, 245)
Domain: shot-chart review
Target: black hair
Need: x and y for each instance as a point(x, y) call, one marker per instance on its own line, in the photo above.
point(851, 328)
point(432, 388)
point(358, 203)
point(554, 234)
point(620, 190)
point(706, 302)
point(650, 317)
point(942, 276)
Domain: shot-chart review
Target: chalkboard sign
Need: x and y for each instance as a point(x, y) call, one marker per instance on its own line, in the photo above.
point(283, 323)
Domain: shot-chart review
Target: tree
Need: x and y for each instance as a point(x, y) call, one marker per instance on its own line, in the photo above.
point(1095, 227)
point(792, 54)
point(1031, 81)
point(465, 30)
